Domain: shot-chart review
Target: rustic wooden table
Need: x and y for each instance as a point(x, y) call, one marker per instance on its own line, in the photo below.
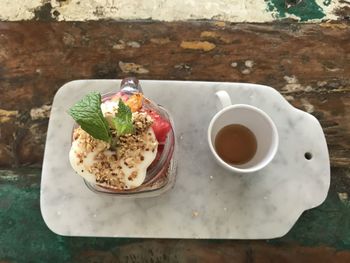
point(308, 63)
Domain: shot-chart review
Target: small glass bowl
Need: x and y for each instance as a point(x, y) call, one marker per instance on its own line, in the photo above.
point(161, 174)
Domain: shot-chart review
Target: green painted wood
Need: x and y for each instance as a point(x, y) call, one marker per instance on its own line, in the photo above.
point(24, 236)
point(304, 10)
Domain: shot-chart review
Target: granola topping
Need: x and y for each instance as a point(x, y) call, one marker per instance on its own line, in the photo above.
point(121, 168)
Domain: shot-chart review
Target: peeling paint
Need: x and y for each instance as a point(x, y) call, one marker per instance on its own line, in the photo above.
point(220, 23)
point(249, 63)
point(308, 106)
point(210, 34)
point(293, 85)
point(301, 10)
point(306, 10)
point(122, 44)
point(133, 44)
point(343, 197)
point(9, 176)
point(170, 10)
point(335, 25)
point(68, 39)
point(289, 98)
point(18, 10)
point(132, 68)
point(7, 115)
point(183, 66)
point(198, 45)
point(333, 69)
point(215, 35)
point(246, 71)
point(245, 67)
point(40, 113)
point(119, 45)
point(166, 10)
point(160, 41)
point(321, 83)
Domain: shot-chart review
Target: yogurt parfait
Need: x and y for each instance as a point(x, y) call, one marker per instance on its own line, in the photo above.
point(123, 143)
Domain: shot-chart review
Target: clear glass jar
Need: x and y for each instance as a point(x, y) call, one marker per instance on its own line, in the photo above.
point(161, 174)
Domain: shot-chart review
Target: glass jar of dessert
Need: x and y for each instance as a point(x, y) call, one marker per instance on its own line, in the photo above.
point(123, 144)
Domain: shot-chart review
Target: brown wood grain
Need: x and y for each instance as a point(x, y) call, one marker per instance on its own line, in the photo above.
point(308, 63)
point(211, 251)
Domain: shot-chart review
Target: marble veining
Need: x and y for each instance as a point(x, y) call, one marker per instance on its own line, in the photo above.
point(207, 201)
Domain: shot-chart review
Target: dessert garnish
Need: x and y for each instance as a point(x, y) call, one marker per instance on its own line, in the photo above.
point(88, 114)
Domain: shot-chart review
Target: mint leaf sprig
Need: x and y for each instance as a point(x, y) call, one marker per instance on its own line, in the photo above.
point(88, 114)
point(122, 121)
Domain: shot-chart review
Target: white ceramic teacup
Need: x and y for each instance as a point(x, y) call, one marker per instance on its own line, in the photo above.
point(254, 119)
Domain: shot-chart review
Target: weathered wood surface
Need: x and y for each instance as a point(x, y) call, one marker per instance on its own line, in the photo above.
point(308, 64)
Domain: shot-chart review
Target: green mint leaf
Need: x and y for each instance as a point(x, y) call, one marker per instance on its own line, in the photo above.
point(122, 121)
point(87, 113)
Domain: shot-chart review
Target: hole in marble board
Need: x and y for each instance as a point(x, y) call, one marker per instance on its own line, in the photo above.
point(308, 156)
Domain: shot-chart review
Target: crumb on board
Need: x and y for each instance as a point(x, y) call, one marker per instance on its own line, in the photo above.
point(195, 213)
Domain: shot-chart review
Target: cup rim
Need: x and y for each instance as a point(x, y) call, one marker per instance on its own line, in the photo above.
point(265, 160)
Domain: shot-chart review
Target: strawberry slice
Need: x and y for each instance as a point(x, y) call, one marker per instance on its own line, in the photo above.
point(160, 126)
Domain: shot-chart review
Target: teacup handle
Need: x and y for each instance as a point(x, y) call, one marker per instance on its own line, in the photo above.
point(223, 100)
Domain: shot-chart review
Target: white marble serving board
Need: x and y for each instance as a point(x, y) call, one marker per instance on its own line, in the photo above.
point(207, 201)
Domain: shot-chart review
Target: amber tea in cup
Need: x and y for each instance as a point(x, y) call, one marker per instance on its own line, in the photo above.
point(235, 144)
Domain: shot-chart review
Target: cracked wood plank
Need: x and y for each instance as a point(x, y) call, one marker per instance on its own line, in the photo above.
point(307, 63)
